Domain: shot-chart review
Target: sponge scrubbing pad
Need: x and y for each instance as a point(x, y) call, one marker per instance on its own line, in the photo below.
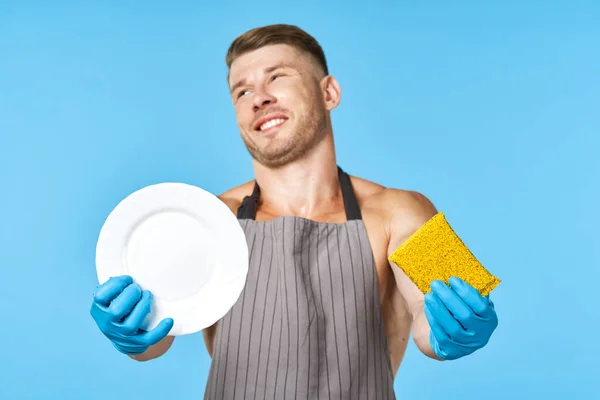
point(435, 252)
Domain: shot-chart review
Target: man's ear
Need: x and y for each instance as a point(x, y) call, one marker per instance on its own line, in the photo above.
point(332, 92)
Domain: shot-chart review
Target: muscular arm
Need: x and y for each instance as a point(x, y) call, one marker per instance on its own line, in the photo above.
point(408, 212)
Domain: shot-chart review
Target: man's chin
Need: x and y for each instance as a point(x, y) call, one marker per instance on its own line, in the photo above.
point(275, 159)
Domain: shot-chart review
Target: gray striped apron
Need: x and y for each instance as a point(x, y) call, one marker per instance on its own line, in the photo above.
point(308, 324)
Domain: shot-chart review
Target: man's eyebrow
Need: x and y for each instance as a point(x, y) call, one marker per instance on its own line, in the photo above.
point(267, 70)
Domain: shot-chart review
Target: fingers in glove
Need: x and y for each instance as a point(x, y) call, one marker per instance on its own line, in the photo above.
point(481, 306)
point(125, 302)
point(458, 309)
point(444, 318)
point(110, 289)
point(158, 333)
point(132, 322)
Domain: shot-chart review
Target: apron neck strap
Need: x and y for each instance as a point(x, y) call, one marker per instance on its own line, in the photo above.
point(248, 208)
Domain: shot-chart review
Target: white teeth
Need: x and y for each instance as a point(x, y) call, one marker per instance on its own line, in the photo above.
point(271, 123)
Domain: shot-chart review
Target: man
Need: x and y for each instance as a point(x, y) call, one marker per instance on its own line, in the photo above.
point(323, 313)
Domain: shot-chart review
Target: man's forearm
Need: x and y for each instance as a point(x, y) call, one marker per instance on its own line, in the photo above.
point(421, 334)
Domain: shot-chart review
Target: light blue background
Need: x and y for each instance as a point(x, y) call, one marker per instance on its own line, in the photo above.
point(492, 111)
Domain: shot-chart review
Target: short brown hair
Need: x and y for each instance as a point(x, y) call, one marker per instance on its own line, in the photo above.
point(277, 34)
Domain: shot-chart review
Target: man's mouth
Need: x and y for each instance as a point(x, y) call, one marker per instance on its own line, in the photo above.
point(269, 124)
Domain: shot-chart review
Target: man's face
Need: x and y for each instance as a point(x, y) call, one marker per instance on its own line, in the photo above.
point(279, 104)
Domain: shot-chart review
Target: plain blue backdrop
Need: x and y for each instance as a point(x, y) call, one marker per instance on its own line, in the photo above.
point(492, 111)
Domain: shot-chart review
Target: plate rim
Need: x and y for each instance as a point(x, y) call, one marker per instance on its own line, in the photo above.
point(228, 290)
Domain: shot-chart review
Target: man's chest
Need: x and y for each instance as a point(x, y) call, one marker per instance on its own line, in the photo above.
point(375, 227)
point(308, 237)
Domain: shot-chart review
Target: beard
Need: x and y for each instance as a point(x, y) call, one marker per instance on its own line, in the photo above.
point(308, 132)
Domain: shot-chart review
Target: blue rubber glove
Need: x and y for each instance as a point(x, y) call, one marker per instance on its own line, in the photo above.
point(461, 320)
point(119, 308)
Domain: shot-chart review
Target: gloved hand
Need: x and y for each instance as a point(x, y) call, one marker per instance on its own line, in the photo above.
point(119, 308)
point(461, 320)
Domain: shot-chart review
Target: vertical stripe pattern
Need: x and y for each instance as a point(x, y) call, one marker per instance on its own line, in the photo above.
point(308, 324)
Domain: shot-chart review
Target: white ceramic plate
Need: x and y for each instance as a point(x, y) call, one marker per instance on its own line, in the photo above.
point(182, 244)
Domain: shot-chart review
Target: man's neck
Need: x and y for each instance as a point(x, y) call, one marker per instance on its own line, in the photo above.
point(306, 188)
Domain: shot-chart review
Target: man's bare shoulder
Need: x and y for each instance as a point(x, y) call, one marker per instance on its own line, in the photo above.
point(366, 191)
point(374, 195)
point(405, 210)
point(233, 197)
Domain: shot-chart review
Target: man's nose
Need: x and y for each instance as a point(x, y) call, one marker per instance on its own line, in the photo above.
point(262, 99)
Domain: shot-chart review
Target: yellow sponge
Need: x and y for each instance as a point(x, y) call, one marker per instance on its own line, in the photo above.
point(435, 252)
